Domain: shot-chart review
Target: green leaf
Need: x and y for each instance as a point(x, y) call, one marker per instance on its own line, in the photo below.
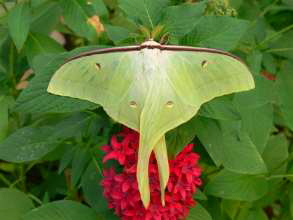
point(61, 210)
point(67, 158)
point(209, 133)
point(30, 143)
point(260, 96)
point(179, 137)
point(237, 144)
point(3, 35)
point(45, 17)
point(249, 12)
point(19, 19)
point(198, 213)
point(291, 198)
point(181, 19)
point(116, 33)
point(53, 186)
point(40, 44)
point(5, 103)
point(235, 186)
point(275, 154)
point(27, 144)
point(2, 69)
point(251, 213)
point(215, 209)
point(36, 99)
point(259, 134)
point(199, 195)
point(144, 12)
point(77, 13)
point(254, 61)
point(99, 7)
point(276, 188)
point(270, 63)
point(288, 2)
point(13, 204)
point(220, 108)
point(285, 89)
point(92, 189)
point(235, 3)
point(206, 35)
point(74, 125)
point(226, 142)
point(284, 45)
point(255, 33)
point(79, 164)
point(231, 207)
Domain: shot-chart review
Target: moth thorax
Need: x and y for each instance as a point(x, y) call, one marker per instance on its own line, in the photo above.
point(150, 43)
point(151, 64)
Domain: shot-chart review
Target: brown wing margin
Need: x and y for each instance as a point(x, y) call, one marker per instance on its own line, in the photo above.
point(161, 47)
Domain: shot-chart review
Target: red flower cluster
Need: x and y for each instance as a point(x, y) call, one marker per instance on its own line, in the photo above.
point(268, 75)
point(121, 189)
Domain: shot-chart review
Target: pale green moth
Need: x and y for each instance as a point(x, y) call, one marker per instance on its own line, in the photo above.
point(151, 88)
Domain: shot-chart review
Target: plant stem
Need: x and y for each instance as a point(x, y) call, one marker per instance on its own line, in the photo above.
point(71, 191)
point(280, 176)
point(16, 182)
point(31, 165)
point(97, 165)
point(239, 209)
point(275, 35)
point(4, 7)
point(5, 180)
point(265, 10)
point(278, 50)
point(11, 68)
point(22, 178)
point(35, 199)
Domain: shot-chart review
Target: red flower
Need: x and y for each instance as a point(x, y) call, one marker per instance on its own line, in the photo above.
point(121, 189)
point(122, 147)
point(268, 75)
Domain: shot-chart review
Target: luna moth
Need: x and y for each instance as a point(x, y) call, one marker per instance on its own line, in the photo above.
point(151, 88)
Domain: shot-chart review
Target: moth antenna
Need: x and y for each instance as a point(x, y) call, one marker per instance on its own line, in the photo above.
point(165, 38)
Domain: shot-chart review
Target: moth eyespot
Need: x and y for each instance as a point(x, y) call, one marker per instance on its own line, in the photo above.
point(169, 104)
point(133, 104)
point(204, 64)
point(98, 66)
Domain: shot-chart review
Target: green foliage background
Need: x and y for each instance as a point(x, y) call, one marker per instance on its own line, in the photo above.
point(50, 161)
